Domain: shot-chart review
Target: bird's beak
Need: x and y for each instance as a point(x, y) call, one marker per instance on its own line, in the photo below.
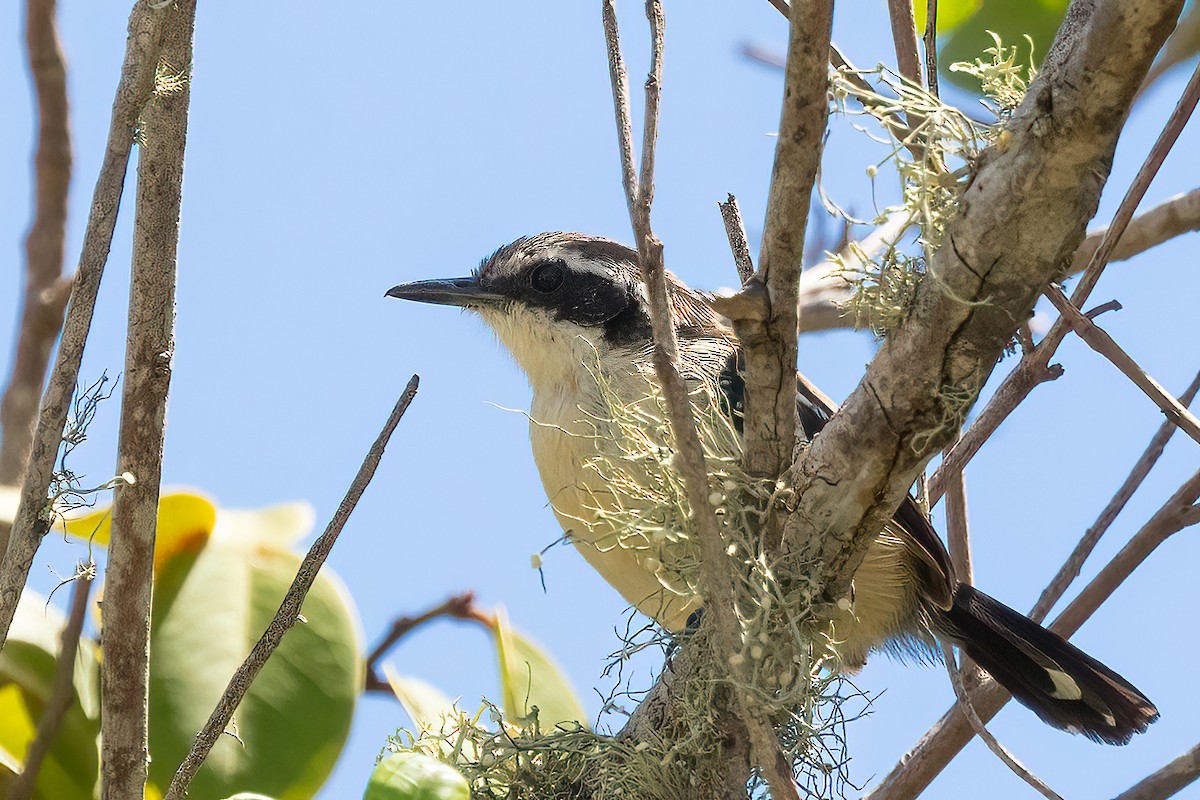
point(464, 292)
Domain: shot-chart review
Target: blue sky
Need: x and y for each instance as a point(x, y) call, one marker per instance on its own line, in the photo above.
point(336, 150)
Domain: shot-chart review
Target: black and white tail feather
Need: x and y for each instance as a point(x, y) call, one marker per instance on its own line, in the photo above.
point(1056, 680)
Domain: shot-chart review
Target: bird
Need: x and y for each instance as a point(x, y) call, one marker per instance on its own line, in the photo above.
point(568, 306)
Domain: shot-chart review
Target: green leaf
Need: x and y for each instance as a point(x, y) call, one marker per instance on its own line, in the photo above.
point(1012, 20)
point(531, 679)
point(210, 607)
point(27, 667)
point(412, 776)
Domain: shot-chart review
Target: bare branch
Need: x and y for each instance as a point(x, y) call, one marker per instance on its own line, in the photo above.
point(1099, 340)
point(928, 373)
point(34, 515)
point(735, 231)
point(1168, 781)
point(1070, 569)
point(61, 694)
point(977, 724)
point(930, 42)
point(904, 37)
point(716, 580)
point(45, 293)
point(769, 339)
point(125, 638)
point(941, 743)
point(460, 606)
point(958, 533)
point(289, 609)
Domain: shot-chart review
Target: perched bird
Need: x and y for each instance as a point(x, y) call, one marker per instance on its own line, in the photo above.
point(568, 305)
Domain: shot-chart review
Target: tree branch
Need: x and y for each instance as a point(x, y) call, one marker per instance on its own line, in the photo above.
point(34, 514)
point(1099, 340)
point(1035, 366)
point(769, 336)
point(980, 729)
point(45, 293)
point(125, 637)
point(824, 293)
point(1169, 780)
point(924, 379)
point(930, 42)
point(460, 606)
point(904, 37)
point(289, 609)
point(735, 231)
point(717, 586)
point(1070, 569)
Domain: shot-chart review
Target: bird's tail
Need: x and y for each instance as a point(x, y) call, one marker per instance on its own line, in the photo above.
point(1056, 680)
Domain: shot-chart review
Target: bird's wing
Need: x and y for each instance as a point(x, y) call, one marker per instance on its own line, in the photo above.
point(815, 409)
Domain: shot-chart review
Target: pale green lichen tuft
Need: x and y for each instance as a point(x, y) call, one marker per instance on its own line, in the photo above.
point(947, 145)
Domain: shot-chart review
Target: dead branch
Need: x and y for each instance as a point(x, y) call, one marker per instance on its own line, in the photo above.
point(1070, 569)
point(150, 347)
point(716, 580)
point(34, 514)
point(460, 606)
point(1099, 340)
point(941, 743)
point(61, 694)
point(45, 292)
point(289, 609)
point(904, 37)
point(926, 376)
point(930, 42)
point(735, 231)
point(1168, 781)
point(769, 339)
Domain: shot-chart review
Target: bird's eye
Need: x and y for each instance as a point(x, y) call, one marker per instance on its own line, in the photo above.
point(548, 276)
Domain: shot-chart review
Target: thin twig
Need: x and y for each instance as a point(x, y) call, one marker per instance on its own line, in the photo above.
point(1168, 781)
point(45, 292)
point(150, 347)
point(1070, 569)
point(289, 609)
point(735, 231)
point(977, 724)
point(958, 535)
point(460, 606)
point(61, 694)
point(930, 42)
point(904, 37)
point(716, 580)
point(1099, 340)
point(34, 515)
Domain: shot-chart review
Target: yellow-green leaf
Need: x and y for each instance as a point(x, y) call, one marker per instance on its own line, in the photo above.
point(531, 679)
point(185, 521)
point(412, 776)
point(425, 704)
